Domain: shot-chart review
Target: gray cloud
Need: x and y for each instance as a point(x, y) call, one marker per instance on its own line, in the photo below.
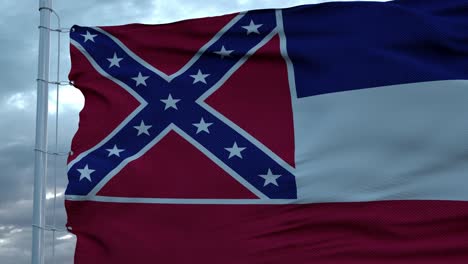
point(19, 49)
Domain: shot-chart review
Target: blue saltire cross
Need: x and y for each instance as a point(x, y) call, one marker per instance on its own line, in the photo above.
point(175, 102)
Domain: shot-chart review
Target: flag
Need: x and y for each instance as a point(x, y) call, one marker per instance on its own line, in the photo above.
point(328, 133)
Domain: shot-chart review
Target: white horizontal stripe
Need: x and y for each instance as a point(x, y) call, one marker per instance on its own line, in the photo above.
point(402, 142)
point(109, 199)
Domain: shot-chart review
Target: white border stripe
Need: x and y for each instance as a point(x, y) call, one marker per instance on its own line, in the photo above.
point(109, 199)
point(284, 53)
point(289, 66)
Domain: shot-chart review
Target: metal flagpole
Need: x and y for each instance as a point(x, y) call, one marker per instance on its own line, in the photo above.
point(40, 162)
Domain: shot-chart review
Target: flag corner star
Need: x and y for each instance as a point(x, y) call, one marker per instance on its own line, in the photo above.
point(88, 36)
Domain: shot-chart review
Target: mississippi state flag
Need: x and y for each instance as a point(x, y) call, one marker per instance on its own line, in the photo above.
point(330, 133)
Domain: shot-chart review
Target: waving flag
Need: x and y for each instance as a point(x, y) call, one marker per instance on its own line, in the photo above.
point(330, 133)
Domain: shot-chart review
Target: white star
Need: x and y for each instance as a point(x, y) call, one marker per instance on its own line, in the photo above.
point(140, 79)
point(252, 28)
point(114, 151)
point(202, 126)
point(199, 77)
point(88, 36)
point(170, 102)
point(85, 173)
point(235, 151)
point(142, 128)
point(114, 61)
point(270, 178)
point(224, 53)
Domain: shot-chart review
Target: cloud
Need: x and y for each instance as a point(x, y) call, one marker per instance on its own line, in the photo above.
point(70, 100)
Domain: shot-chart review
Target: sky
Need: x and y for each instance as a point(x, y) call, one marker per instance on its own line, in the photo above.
point(18, 72)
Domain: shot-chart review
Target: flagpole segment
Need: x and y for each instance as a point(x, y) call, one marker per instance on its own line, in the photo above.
point(40, 161)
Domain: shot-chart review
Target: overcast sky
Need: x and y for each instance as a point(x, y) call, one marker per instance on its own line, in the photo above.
point(18, 62)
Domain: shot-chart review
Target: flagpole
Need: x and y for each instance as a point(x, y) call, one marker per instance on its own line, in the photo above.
point(40, 162)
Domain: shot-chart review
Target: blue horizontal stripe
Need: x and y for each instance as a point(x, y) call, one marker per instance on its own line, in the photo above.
point(353, 45)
